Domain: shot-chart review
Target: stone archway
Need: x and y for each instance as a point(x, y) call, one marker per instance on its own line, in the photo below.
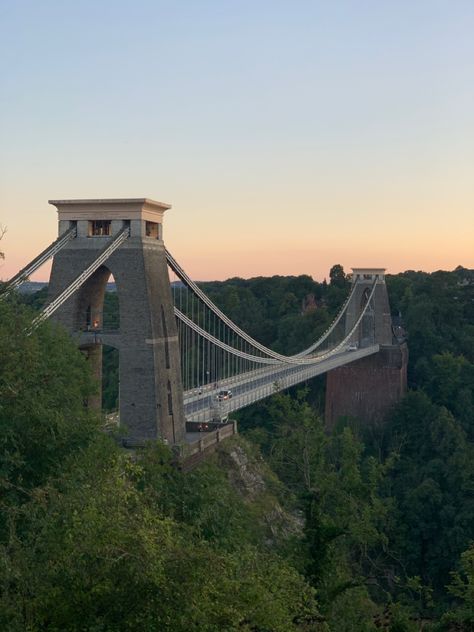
point(98, 325)
point(367, 325)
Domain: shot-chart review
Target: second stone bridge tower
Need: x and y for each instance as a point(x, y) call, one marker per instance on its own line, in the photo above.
point(366, 389)
point(150, 391)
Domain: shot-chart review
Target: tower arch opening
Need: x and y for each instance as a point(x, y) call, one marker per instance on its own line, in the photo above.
point(97, 306)
point(97, 316)
point(110, 379)
point(366, 330)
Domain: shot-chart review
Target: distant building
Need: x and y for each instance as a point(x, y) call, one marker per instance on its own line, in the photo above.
point(308, 304)
point(466, 276)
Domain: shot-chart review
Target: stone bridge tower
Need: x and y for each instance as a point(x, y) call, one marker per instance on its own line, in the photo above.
point(150, 391)
point(366, 389)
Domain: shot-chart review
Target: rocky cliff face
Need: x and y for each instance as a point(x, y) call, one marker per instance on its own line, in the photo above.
point(245, 474)
point(258, 485)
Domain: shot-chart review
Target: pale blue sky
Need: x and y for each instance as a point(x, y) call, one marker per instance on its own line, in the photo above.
point(287, 135)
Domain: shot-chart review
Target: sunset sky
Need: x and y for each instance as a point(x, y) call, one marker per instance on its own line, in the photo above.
point(288, 136)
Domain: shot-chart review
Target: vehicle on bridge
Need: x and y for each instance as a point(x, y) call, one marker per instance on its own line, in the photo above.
point(224, 395)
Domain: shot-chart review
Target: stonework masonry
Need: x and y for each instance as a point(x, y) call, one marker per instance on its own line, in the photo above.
point(376, 326)
point(150, 398)
point(368, 388)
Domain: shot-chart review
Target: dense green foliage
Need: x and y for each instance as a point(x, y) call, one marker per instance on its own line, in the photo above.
point(337, 487)
point(287, 529)
point(44, 383)
point(92, 538)
point(107, 548)
point(422, 458)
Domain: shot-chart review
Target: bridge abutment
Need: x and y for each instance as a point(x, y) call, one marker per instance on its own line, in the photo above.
point(368, 388)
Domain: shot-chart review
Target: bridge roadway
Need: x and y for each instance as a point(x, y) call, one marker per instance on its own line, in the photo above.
point(251, 387)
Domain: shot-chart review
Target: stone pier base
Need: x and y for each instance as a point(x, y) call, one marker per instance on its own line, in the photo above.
point(368, 388)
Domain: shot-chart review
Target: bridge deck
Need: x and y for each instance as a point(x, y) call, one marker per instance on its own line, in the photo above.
point(252, 387)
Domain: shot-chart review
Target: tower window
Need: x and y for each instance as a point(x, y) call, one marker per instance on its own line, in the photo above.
point(99, 228)
point(152, 229)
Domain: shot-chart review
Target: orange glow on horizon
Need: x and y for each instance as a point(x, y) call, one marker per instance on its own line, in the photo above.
point(218, 264)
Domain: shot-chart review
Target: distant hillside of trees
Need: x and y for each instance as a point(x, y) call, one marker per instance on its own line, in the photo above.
point(286, 528)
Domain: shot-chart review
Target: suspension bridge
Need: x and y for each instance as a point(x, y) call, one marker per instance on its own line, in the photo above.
point(184, 364)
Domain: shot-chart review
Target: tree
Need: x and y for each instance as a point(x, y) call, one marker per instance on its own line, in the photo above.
point(449, 380)
point(99, 550)
point(431, 483)
point(337, 489)
point(337, 276)
point(461, 617)
point(44, 382)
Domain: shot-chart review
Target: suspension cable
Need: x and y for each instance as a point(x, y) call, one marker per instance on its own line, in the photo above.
point(78, 281)
point(286, 359)
point(269, 352)
point(37, 262)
